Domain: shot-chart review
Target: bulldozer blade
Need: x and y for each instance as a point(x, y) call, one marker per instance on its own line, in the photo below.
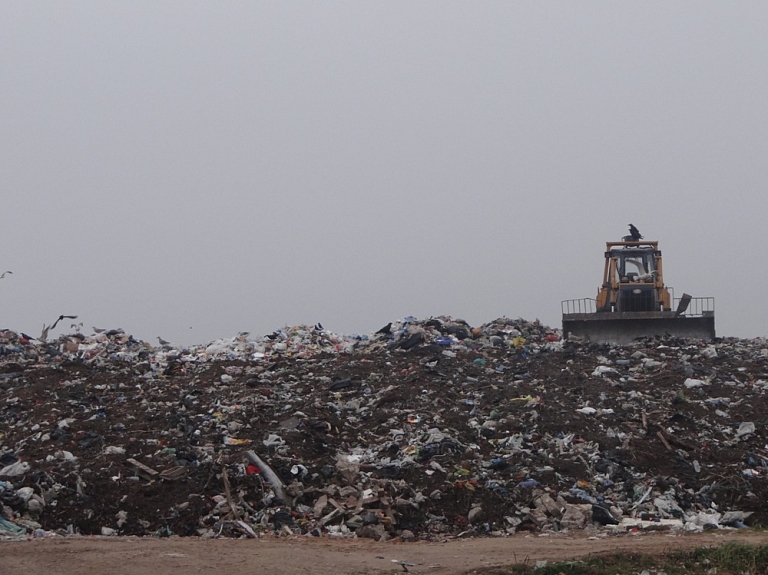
point(618, 327)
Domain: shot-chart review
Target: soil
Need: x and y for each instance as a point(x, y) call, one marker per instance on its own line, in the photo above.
point(324, 556)
point(63, 415)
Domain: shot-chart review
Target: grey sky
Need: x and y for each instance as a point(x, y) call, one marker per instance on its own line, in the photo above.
point(232, 166)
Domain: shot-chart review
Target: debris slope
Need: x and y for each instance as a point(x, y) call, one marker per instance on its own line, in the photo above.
point(424, 429)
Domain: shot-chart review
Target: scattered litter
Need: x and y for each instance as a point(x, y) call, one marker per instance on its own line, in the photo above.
point(424, 429)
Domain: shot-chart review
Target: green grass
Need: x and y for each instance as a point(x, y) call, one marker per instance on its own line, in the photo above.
point(727, 559)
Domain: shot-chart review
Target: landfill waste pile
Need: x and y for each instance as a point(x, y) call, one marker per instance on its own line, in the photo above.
point(425, 429)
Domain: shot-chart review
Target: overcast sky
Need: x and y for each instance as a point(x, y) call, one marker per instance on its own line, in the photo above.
point(195, 169)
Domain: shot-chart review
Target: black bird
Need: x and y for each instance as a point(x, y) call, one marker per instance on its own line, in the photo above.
point(635, 233)
point(386, 330)
point(61, 317)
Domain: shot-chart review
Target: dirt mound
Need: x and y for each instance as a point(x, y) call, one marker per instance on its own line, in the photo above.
point(423, 429)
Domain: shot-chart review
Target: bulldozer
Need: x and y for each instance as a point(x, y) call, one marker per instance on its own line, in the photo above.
point(634, 302)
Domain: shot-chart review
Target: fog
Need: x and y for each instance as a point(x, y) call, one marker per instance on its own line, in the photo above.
point(192, 170)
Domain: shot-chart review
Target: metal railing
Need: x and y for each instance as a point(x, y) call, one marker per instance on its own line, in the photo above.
point(583, 305)
point(699, 306)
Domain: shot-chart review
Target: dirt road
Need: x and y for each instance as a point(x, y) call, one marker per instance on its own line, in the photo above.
point(132, 556)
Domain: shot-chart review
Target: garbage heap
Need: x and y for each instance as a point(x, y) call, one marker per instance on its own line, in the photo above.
point(424, 429)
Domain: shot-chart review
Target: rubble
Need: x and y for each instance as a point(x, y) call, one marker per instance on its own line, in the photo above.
point(424, 429)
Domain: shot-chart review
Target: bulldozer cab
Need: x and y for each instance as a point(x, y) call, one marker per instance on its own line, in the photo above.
point(632, 280)
point(635, 265)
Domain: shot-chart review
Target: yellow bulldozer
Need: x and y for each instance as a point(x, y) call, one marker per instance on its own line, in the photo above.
point(634, 302)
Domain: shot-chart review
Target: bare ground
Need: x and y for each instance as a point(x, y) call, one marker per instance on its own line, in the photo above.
point(132, 556)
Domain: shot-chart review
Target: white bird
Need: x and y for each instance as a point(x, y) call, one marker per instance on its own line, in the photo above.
point(647, 277)
point(99, 330)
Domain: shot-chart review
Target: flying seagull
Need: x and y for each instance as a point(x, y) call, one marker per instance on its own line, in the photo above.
point(61, 317)
point(4, 274)
point(634, 233)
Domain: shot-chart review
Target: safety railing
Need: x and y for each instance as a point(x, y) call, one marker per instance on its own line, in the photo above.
point(698, 306)
point(583, 305)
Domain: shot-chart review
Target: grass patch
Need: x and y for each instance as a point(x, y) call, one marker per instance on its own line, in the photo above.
point(726, 559)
